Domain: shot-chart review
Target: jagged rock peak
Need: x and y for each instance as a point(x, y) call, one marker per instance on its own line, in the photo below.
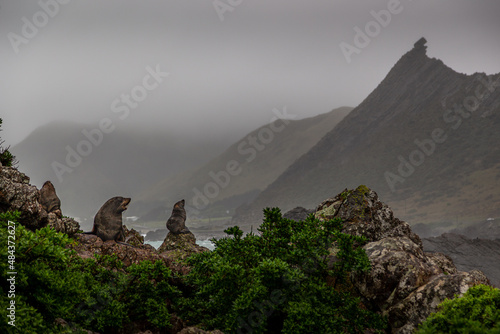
point(420, 44)
point(365, 215)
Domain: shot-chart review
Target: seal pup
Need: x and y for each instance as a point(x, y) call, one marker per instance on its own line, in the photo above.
point(177, 221)
point(49, 200)
point(108, 220)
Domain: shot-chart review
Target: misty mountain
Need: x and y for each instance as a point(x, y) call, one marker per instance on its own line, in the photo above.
point(120, 163)
point(426, 140)
point(241, 172)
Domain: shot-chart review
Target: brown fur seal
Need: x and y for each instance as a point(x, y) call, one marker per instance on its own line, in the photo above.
point(49, 200)
point(108, 220)
point(176, 224)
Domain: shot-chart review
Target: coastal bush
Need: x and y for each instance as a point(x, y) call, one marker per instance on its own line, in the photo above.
point(477, 311)
point(6, 158)
point(99, 294)
point(278, 281)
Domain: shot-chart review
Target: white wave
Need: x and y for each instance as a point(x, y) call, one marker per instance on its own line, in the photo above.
point(205, 243)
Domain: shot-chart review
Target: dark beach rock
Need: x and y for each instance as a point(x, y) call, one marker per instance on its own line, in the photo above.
point(298, 214)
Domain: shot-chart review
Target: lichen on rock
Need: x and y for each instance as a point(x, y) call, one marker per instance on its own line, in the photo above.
point(182, 245)
point(364, 215)
point(405, 283)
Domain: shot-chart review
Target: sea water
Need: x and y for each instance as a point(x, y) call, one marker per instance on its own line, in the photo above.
point(205, 243)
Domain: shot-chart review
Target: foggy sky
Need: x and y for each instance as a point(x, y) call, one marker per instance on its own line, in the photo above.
point(225, 69)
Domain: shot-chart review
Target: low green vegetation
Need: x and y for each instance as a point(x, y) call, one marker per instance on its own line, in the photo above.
point(290, 277)
point(52, 282)
point(477, 311)
point(274, 282)
point(278, 281)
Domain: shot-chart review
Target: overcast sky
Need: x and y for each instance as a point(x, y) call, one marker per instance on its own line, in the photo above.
point(229, 62)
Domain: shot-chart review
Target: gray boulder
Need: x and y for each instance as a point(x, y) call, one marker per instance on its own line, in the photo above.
point(64, 225)
point(298, 214)
point(405, 283)
point(406, 315)
point(364, 215)
point(17, 194)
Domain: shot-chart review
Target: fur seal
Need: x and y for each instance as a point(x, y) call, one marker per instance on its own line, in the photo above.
point(176, 224)
point(108, 220)
point(49, 200)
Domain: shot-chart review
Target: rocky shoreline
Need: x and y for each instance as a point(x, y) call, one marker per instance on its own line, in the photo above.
point(406, 283)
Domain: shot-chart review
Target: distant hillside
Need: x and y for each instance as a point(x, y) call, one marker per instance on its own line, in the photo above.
point(127, 161)
point(241, 172)
point(468, 254)
point(426, 140)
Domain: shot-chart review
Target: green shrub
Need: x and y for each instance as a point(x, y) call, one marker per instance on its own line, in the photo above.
point(277, 281)
point(274, 282)
point(96, 294)
point(6, 158)
point(477, 311)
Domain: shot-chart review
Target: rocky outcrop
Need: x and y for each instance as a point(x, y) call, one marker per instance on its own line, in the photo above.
point(132, 237)
point(405, 316)
point(17, 194)
point(364, 215)
point(174, 249)
point(399, 266)
point(405, 283)
point(298, 214)
point(88, 245)
point(180, 246)
point(65, 224)
point(469, 254)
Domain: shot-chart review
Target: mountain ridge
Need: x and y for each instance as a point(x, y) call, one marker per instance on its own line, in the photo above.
point(258, 158)
point(417, 96)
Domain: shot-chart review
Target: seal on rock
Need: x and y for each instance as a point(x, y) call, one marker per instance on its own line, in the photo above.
point(49, 200)
point(176, 224)
point(108, 220)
